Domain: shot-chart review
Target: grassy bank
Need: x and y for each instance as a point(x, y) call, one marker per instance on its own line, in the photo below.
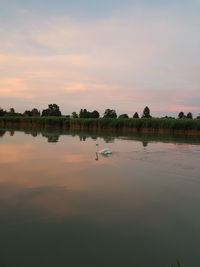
point(153, 125)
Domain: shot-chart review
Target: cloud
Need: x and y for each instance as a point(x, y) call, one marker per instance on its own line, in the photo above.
point(14, 87)
point(15, 153)
point(129, 60)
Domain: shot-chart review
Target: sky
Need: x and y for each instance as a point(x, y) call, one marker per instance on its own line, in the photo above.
point(122, 55)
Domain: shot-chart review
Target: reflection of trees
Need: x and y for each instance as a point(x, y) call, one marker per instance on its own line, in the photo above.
point(51, 137)
point(145, 143)
point(12, 132)
point(34, 133)
point(82, 138)
point(109, 139)
point(2, 132)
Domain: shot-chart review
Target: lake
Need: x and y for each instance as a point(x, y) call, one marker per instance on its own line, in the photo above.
point(61, 204)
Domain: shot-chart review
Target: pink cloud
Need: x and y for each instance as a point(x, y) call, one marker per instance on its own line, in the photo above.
point(123, 61)
point(14, 87)
point(182, 108)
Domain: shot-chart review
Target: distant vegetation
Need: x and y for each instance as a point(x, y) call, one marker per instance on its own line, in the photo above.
point(91, 120)
point(53, 110)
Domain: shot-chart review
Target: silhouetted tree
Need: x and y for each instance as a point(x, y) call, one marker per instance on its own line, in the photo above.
point(167, 117)
point(12, 110)
point(189, 115)
point(110, 113)
point(52, 110)
point(146, 113)
point(84, 113)
point(74, 115)
point(181, 115)
point(123, 116)
point(94, 114)
point(27, 113)
point(135, 116)
point(81, 113)
point(2, 112)
point(35, 112)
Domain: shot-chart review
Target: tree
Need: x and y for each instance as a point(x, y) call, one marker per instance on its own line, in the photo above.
point(189, 115)
point(110, 113)
point(146, 113)
point(94, 114)
point(123, 116)
point(74, 115)
point(81, 113)
point(12, 110)
point(181, 115)
point(84, 113)
point(135, 116)
point(35, 112)
point(52, 110)
point(2, 112)
point(27, 113)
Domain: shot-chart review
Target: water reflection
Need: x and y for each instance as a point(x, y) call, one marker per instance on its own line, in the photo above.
point(108, 137)
point(2, 132)
point(51, 137)
point(12, 132)
point(145, 143)
point(74, 207)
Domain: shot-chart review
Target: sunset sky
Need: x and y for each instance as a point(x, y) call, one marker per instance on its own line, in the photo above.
point(100, 54)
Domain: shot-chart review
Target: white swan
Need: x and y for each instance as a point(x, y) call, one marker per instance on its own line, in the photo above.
point(104, 151)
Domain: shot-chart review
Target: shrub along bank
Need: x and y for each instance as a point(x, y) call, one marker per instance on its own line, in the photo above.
point(137, 125)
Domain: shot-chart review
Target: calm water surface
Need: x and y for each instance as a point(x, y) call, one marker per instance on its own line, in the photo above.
point(62, 205)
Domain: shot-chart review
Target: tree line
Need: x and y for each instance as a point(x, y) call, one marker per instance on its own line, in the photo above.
point(54, 110)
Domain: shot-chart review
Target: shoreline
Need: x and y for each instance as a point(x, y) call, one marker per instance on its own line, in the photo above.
point(156, 126)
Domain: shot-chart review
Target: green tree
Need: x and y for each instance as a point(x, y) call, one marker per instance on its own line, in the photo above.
point(181, 115)
point(52, 110)
point(81, 113)
point(135, 116)
point(110, 113)
point(94, 114)
point(84, 113)
point(27, 113)
point(146, 113)
point(35, 112)
point(12, 110)
point(74, 115)
point(189, 115)
point(2, 112)
point(123, 116)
